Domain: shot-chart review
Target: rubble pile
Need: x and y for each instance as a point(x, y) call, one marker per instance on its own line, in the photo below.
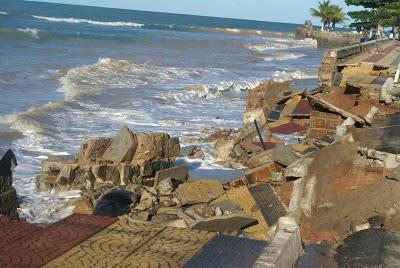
point(330, 155)
point(128, 158)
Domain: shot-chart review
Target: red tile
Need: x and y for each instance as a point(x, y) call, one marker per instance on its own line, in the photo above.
point(287, 129)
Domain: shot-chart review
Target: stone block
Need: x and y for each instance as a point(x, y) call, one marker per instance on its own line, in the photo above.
point(201, 191)
point(93, 149)
point(261, 174)
point(152, 145)
point(283, 154)
point(224, 223)
point(122, 147)
point(258, 114)
point(260, 159)
point(177, 173)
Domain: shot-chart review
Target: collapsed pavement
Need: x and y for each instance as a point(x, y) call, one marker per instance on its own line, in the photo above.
point(331, 155)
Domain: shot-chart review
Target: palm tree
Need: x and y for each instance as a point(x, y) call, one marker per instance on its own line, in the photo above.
point(322, 12)
point(336, 15)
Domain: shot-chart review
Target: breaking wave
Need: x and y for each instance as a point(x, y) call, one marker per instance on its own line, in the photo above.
point(21, 32)
point(102, 23)
point(281, 44)
point(3, 13)
point(283, 57)
point(294, 75)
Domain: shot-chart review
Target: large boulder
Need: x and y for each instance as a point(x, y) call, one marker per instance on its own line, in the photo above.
point(122, 147)
point(267, 94)
point(93, 149)
point(202, 191)
point(156, 145)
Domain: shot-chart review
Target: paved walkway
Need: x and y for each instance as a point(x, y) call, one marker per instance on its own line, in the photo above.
point(96, 241)
point(389, 55)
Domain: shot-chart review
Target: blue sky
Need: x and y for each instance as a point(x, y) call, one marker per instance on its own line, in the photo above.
point(296, 11)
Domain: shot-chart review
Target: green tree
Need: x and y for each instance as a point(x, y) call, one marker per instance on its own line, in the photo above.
point(384, 12)
point(336, 15)
point(322, 13)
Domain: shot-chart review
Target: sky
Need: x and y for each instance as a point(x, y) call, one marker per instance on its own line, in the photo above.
point(292, 11)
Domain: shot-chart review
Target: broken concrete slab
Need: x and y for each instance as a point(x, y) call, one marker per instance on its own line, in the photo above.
point(225, 223)
point(335, 109)
point(261, 174)
point(260, 159)
point(259, 114)
point(267, 93)
point(283, 154)
point(201, 191)
point(93, 149)
point(177, 173)
point(268, 202)
point(122, 147)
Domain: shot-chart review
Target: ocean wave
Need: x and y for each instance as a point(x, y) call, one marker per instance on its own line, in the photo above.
point(281, 44)
point(3, 13)
point(283, 56)
point(245, 32)
point(216, 90)
point(29, 121)
point(293, 75)
point(21, 32)
point(102, 23)
point(32, 32)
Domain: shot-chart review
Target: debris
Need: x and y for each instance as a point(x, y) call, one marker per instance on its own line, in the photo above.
point(200, 191)
point(226, 223)
point(283, 154)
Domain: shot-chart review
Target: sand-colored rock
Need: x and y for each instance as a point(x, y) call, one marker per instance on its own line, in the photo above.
point(202, 191)
point(122, 147)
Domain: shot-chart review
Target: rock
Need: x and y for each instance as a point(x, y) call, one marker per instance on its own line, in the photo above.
point(192, 152)
point(224, 223)
point(179, 223)
point(166, 201)
point(93, 149)
point(147, 201)
point(165, 187)
point(298, 168)
point(115, 203)
point(267, 94)
point(8, 203)
point(177, 173)
point(283, 154)
point(122, 147)
point(260, 159)
point(202, 191)
point(218, 211)
point(156, 145)
point(394, 174)
point(261, 115)
point(84, 205)
point(261, 174)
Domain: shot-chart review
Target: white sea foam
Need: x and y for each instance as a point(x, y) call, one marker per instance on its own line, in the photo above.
point(294, 75)
point(3, 13)
point(32, 32)
point(283, 56)
point(281, 44)
point(102, 23)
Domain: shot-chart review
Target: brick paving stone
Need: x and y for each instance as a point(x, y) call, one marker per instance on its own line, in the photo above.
point(13, 230)
point(268, 202)
point(40, 247)
point(130, 244)
point(227, 251)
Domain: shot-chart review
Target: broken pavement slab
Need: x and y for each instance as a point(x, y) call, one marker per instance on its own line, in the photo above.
point(262, 173)
point(225, 223)
point(200, 191)
point(177, 173)
point(283, 154)
point(268, 202)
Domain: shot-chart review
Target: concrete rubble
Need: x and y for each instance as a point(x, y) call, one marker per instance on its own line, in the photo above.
point(331, 155)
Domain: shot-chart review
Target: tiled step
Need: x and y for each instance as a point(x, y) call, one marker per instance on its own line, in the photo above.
point(41, 246)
